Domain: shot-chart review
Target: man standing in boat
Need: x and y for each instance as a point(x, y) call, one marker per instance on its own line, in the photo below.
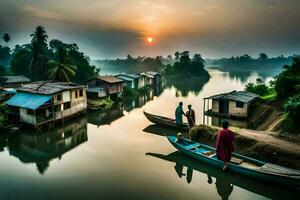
point(190, 115)
point(178, 114)
point(224, 145)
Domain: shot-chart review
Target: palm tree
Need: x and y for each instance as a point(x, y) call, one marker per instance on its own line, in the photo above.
point(6, 37)
point(39, 48)
point(61, 70)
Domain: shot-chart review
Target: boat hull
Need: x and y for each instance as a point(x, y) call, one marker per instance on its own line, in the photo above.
point(255, 173)
point(164, 121)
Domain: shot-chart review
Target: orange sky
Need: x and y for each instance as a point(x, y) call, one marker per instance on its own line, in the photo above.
point(212, 27)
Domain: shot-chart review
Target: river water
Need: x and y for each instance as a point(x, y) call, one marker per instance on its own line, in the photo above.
point(119, 154)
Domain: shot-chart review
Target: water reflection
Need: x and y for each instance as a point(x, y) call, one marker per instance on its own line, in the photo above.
point(224, 182)
point(184, 87)
point(99, 118)
point(41, 149)
point(217, 121)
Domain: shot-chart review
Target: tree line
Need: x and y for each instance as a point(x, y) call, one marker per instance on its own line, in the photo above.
point(43, 60)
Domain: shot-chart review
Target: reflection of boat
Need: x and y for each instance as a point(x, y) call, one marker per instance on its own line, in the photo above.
point(239, 164)
point(224, 181)
point(164, 121)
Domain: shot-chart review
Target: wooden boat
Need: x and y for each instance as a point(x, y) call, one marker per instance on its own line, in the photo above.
point(225, 180)
point(239, 163)
point(165, 121)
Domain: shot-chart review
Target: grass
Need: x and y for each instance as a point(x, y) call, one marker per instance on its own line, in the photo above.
point(102, 104)
point(270, 96)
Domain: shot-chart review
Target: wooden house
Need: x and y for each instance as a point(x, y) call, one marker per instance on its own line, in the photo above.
point(128, 81)
point(13, 81)
point(112, 85)
point(152, 78)
point(139, 81)
point(232, 104)
point(42, 103)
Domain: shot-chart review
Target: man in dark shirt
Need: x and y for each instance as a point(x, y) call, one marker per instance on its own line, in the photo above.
point(190, 115)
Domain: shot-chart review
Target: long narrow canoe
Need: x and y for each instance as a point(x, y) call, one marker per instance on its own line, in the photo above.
point(165, 121)
point(239, 163)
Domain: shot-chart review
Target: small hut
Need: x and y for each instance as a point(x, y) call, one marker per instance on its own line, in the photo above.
point(232, 104)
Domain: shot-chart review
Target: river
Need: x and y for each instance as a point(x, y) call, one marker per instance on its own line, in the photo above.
point(119, 154)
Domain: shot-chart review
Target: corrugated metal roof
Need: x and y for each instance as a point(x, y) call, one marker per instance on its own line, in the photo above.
point(153, 73)
point(241, 96)
point(28, 100)
point(132, 75)
point(125, 78)
point(16, 79)
point(48, 88)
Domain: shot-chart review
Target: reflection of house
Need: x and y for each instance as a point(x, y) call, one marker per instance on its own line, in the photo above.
point(217, 121)
point(41, 149)
point(232, 104)
point(112, 85)
point(44, 102)
point(128, 81)
point(13, 81)
point(101, 118)
point(139, 81)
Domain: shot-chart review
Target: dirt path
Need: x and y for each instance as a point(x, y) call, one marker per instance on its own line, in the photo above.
point(271, 139)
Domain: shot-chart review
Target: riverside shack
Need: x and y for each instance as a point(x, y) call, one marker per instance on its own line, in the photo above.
point(13, 81)
point(231, 104)
point(139, 81)
point(42, 103)
point(112, 85)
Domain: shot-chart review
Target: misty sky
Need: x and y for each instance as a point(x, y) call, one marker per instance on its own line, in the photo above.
point(115, 28)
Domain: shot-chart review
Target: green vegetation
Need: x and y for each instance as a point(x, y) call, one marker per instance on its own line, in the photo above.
point(261, 88)
point(134, 65)
point(184, 66)
point(100, 104)
point(39, 62)
point(285, 88)
point(130, 93)
point(261, 61)
point(203, 132)
point(3, 116)
point(61, 70)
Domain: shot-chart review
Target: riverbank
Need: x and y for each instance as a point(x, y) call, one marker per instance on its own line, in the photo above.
point(267, 146)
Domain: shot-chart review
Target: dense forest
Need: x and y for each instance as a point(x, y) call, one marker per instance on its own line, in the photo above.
point(285, 89)
point(262, 61)
point(43, 60)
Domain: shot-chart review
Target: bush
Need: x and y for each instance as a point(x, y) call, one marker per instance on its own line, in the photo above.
point(292, 108)
point(287, 82)
point(203, 132)
point(259, 88)
point(3, 116)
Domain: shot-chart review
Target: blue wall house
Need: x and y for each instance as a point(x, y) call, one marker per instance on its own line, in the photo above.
point(42, 103)
point(128, 81)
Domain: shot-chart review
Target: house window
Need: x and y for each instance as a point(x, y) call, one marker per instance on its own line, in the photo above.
point(58, 97)
point(67, 105)
point(57, 108)
point(239, 104)
point(76, 94)
point(80, 93)
point(30, 112)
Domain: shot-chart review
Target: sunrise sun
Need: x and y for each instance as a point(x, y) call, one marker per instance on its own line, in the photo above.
point(149, 40)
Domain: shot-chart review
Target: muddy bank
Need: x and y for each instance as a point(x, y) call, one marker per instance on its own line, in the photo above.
point(256, 144)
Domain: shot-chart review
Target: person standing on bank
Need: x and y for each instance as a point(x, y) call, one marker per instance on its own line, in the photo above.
point(190, 115)
point(224, 144)
point(178, 114)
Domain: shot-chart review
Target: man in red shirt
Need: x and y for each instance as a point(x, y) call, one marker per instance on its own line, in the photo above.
point(224, 145)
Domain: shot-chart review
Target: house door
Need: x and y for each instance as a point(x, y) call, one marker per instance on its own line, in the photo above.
point(223, 107)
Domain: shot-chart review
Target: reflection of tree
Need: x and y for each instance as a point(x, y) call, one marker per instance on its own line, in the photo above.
point(185, 84)
point(41, 149)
